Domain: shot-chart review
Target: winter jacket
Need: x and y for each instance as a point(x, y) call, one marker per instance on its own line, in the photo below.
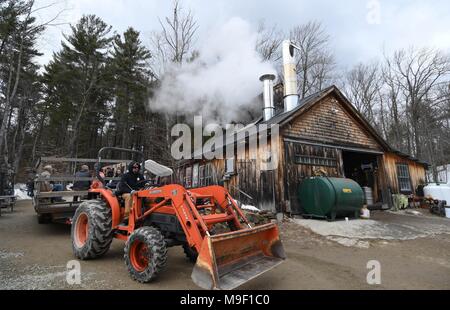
point(82, 185)
point(45, 186)
point(130, 180)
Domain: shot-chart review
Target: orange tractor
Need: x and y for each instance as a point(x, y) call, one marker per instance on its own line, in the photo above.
point(170, 215)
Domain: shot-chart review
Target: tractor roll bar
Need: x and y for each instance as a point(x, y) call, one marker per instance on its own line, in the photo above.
point(110, 148)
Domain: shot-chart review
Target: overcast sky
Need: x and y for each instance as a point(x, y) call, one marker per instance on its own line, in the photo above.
point(359, 32)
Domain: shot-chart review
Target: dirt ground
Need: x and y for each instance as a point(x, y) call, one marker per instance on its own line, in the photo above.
point(34, 256)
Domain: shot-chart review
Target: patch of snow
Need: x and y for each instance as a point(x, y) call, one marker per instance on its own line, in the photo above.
point(250, 208)
point(20, 191)
point(247, 207)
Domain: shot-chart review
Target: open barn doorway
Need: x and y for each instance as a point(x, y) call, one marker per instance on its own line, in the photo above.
point(363, 168)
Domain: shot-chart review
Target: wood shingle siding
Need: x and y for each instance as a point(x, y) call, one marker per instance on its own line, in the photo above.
point(328, 121)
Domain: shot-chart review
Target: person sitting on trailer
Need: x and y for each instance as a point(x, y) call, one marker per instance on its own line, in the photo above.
point(109, 172)
point(129, 183)
point(56, 187)
point(83, 173)
point(113, 183)
point(49, 186)
point(118, 173)
point(82, 185)
point(45, 186)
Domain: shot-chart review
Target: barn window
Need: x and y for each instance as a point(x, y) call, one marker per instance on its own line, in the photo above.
point(205, 175)
point(315, 161)
point(404, 180)
point(201, 175)
point(188, 178)
point(229, 166)
point(181, 175)
point(195, 176)
point(209, 174)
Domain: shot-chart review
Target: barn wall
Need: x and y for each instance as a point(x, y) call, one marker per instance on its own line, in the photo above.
point(249, 178)
point(326, 159)
point(416, 171)
point(253, 180)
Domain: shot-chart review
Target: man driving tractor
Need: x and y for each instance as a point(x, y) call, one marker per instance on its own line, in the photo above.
point(170, 215)
point(129, 183)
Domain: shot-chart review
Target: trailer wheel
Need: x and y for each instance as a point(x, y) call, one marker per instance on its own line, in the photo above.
point(91, 230)
point(190, 253)
point(145, 254)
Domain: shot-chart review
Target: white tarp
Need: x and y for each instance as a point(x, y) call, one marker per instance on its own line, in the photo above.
point(158, 169)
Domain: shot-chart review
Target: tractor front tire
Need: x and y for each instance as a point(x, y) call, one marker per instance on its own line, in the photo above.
point(145, 254)
point(91, 230)
point(190, 253)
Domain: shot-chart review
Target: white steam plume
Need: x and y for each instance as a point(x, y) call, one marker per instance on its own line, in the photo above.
point(221, 82)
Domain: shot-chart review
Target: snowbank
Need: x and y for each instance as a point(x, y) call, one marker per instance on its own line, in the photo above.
point(20, 191)
point(250, 208)
point(247, 207)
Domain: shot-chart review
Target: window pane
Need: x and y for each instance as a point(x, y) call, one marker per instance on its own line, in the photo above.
point(195, 176)
point(230, 165)
point(403, 177)
point(188, 178)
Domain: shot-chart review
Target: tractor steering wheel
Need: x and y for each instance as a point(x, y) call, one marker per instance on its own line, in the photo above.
point(142, 184)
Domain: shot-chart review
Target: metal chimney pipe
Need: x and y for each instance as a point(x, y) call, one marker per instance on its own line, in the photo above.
point(269, 108)
point(290, 77)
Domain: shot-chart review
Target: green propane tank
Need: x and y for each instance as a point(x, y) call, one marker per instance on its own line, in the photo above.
point(330, 198)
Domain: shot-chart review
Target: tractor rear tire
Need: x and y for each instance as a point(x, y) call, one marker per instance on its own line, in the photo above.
point(190, 253)
point(91, 230)
point(145, 254)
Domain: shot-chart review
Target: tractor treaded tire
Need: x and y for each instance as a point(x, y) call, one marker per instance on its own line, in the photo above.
point(100, 235)
point(190, 253)
point(157, 255)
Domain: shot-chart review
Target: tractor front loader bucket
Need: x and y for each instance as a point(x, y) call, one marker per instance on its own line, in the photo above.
point(228, 260)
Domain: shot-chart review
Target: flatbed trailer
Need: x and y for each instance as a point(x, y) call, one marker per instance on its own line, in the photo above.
point(60, 206)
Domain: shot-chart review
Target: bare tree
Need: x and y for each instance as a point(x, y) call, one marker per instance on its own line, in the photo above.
point(393, 97)
point(417, 72)
point(269, 41)
point(159, 60)
point(178, 33)
point(316, 61)
point(363, 85)
point(174, 44)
